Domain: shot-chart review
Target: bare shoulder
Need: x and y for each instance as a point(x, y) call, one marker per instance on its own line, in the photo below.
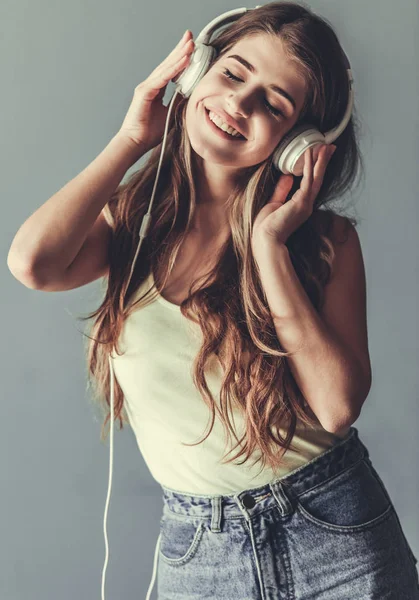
point(329, 223)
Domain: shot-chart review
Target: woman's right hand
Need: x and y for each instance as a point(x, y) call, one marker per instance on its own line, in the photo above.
point(145, 120)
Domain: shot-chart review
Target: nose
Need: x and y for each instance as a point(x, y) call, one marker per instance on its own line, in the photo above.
point(239, 104)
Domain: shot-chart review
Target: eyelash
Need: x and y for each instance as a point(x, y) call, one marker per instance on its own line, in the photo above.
point(271, 109)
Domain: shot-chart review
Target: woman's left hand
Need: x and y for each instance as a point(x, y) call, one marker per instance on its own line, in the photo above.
point(278, 219)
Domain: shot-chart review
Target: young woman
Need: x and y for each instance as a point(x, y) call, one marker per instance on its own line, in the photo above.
point(246, 311)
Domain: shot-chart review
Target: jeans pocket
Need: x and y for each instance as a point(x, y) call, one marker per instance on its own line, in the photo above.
point(180, 538)
point(409, 549)
point(354, 500)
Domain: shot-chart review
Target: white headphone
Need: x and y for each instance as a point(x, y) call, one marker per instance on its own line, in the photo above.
point(288, 157)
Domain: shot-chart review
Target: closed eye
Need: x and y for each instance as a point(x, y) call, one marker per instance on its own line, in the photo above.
point(273, 110)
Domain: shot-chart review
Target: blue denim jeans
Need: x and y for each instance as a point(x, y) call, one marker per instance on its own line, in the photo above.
point(326, 531)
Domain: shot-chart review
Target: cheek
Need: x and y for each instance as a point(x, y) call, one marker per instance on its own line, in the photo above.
point(276, 131)
point(201, 94)
point(193, 116)
point(189, 117)
point(268, 134)
point(195, 102)
point(208, 86)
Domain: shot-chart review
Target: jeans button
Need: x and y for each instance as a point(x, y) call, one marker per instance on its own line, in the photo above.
point(249, 501)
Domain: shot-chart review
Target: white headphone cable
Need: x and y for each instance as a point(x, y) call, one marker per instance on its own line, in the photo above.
point(145, 224)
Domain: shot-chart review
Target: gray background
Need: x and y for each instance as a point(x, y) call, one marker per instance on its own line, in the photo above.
point(68, 74)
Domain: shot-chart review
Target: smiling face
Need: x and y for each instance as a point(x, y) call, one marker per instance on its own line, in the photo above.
point(255, 109)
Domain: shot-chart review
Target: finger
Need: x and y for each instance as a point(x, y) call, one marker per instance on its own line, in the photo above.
point(182, 45)
point(320, 169)
point(181, 57)
point(179, 68)
point(282, 189)
point(307, 180)
point(174, 58)
point(322, 160)
point(164, 76)
point(303, 195)
point(175, 55)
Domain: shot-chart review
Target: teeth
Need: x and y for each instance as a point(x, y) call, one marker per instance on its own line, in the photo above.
point(221, 125)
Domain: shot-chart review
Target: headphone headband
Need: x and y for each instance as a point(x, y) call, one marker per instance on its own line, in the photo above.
point(223, 19)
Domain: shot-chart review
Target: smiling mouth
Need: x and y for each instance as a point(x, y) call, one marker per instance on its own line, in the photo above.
point(220, 132)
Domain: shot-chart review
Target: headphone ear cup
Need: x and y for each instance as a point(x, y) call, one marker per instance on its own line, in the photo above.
point(289, 154)
point(199, 64)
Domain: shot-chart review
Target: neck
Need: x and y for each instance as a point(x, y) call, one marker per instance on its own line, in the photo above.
point(214, 185)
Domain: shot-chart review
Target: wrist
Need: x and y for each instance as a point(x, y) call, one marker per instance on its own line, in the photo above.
point(267, 247)
point(136, 148)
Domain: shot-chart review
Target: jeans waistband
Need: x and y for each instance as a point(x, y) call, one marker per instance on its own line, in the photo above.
point(280, 492)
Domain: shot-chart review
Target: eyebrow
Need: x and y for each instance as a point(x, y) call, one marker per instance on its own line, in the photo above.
point(273, 87)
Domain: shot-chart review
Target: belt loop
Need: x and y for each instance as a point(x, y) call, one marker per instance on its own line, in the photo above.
point(282, 499)
point(216, 514)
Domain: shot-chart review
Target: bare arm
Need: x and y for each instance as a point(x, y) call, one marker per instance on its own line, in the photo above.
point(48, 243)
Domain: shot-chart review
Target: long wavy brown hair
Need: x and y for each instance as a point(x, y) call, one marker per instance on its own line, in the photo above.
point(229, 302)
